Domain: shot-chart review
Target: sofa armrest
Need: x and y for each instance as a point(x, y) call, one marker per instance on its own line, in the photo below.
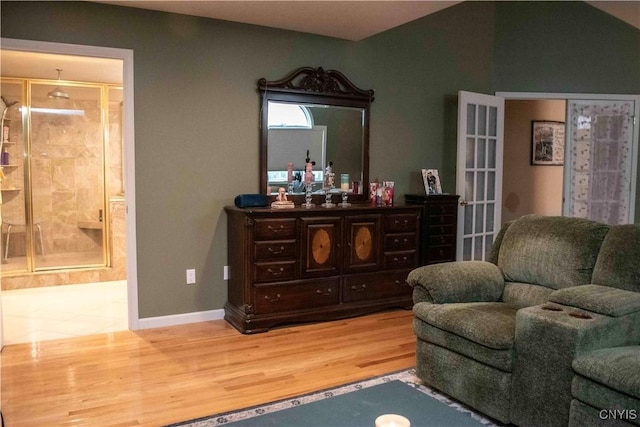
point(460, 281)
point(598, 299)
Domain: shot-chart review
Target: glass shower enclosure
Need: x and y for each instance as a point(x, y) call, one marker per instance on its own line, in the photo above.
point(56, 174)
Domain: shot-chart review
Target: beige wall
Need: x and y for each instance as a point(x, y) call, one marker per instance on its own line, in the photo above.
point(529, 189)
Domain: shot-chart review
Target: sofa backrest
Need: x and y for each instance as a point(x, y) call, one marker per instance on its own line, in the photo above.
point(618, 263)
point(551, 251)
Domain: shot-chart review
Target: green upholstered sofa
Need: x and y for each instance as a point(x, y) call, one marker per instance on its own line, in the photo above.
point(501, 336)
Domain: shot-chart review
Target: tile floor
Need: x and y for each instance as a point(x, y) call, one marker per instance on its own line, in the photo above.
point(39, 314)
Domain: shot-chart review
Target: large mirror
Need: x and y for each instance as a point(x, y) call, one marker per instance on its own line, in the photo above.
point(314, 116)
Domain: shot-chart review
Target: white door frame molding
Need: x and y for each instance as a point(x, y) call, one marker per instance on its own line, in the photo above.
point(126, 55)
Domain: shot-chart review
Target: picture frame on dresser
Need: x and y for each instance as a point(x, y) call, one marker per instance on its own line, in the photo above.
point(431, 179)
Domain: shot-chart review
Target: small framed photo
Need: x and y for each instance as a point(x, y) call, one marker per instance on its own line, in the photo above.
point(547, 143)
point(431, 181)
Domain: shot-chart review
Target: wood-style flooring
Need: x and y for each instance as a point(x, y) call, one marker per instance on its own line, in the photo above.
point(160, 376)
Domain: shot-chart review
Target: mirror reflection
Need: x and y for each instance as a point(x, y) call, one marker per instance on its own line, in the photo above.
point(299, 133)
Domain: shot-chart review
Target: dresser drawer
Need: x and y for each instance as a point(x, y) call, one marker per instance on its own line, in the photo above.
point(441, 220)
point(440, 230)
point(274, 229)
point(442, 240)
point(274, 271)
point(399, 223)
point(298, 296)
point(405, 259)
point(400, 242)
point(277, 249)
point(441, 254)
point(436, 209)
point(360, 287)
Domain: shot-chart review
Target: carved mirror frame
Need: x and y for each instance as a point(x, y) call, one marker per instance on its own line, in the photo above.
point(308, 85)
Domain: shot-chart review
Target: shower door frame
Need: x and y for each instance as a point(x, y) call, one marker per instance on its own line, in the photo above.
point(128, 137)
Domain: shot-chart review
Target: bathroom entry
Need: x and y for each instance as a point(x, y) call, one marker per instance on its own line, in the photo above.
point(63, 194)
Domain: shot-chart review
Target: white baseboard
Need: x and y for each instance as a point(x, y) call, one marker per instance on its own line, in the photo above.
point(180, 319)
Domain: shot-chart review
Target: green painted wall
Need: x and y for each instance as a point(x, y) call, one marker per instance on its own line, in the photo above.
point(196, 117)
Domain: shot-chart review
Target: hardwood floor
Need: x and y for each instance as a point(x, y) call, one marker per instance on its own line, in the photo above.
point(165, 375)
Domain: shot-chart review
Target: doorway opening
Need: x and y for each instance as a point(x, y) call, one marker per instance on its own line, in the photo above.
point(111, 259)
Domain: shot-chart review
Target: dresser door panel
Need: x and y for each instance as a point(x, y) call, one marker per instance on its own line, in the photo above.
point(320, 240)
point(363, 243)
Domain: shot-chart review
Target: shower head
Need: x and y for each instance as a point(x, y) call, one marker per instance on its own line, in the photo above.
point(57, 92)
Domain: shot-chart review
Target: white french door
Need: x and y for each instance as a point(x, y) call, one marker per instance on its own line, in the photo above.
point(601, 159)
point(479, 173)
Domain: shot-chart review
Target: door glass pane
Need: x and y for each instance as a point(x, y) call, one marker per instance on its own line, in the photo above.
point(479, 222)
point(491, 208)
point(488, 242)
point(471, 119)
point(468, 186)
point(482, 120)
point(491, 153)
point(468, 219)
point(480, 187)
point(466, 249)
point(477, 248)
point(482, 146)
point(493, 121)
point(471, 153)
point(491, 185)
point(14, 235)
point(67, 154)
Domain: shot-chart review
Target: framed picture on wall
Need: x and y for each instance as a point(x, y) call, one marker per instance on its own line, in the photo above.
point(431, 181)
point(547, 143)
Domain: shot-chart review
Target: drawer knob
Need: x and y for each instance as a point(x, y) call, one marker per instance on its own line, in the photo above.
point(360, 288)
point(328, 293)
point(276, 229)
point(401, 283)
point(276, 272)
point(272, 299)
point(276, 251)
point(402, 223)
point(400, 260)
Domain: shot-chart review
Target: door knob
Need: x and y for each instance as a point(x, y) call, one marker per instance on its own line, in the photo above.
point(463, 202)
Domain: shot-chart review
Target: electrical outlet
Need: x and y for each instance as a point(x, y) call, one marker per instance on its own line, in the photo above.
point(191, 276)
point(225, 273)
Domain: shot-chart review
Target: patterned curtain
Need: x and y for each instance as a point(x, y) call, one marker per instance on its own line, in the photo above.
point(601, 160)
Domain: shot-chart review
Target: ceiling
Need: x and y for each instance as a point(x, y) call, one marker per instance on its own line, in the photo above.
point(333, 18)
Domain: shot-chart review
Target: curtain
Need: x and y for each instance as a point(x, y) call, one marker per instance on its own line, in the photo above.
point(601, 135)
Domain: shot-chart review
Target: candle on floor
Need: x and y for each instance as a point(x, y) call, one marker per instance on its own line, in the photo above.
point(392, 420)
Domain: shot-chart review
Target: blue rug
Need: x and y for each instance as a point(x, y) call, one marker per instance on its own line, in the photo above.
point(354, 405)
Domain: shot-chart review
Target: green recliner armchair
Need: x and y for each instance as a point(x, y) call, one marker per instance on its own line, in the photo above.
point(501, 336)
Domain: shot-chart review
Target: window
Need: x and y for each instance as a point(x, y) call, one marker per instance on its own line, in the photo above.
point(283, 115)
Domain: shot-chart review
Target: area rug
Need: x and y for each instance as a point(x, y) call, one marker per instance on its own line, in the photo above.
point(355, 404)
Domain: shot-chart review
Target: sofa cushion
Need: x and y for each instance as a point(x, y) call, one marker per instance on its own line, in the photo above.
point(617, 368)
point(617, 263)
point(525, 294)
point(499, 359)
point(556, 252)
point(491, 324)
point(598, 299)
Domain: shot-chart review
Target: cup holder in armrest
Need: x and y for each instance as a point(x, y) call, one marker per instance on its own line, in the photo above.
point(551, 308)
point(580, 316)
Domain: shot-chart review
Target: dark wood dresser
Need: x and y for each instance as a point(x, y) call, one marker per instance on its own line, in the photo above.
point(310, 264)
point(439, 226)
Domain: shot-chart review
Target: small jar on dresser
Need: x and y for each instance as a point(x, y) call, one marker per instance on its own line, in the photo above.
point(439, 226)
point(313, 264)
